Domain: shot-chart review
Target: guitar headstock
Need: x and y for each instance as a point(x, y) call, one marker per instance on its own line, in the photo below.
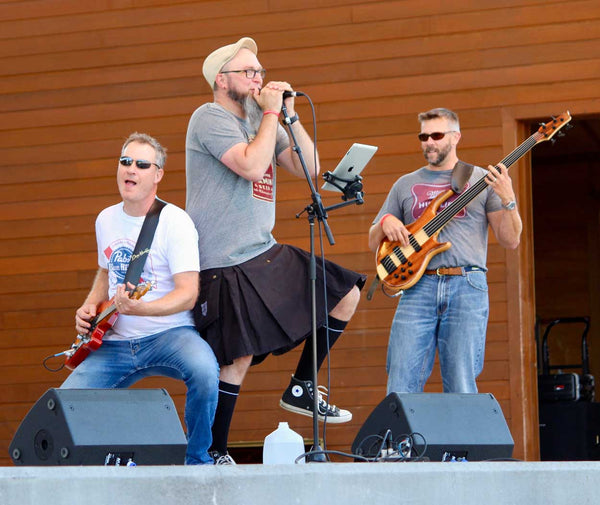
point(547, 130)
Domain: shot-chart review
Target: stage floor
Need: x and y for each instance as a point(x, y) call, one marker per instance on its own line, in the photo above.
point(473, 483)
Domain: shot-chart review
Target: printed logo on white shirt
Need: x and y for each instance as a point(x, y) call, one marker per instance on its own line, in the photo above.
point(118, 255)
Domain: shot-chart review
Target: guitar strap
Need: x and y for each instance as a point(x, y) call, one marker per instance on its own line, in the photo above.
point(460, 175)
point(144, 241)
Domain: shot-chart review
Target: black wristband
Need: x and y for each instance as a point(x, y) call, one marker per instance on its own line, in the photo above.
point(294, 118)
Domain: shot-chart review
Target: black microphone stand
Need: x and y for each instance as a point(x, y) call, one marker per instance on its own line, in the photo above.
point(315, 211)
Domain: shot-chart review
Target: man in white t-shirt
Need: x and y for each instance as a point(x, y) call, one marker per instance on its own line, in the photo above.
point(154, 334)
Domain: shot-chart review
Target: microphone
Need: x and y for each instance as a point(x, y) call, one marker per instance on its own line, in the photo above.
point(288, 94)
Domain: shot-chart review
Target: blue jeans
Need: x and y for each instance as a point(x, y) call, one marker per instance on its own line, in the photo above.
point(449, 313)
point(179, 353)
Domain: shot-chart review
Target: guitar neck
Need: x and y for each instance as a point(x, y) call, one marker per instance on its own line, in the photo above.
point(136, 294)
point(444, 217)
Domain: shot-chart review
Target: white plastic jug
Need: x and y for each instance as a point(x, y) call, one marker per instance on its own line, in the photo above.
point(283, 446)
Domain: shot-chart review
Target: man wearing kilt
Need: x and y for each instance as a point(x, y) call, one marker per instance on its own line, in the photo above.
point(255, 293)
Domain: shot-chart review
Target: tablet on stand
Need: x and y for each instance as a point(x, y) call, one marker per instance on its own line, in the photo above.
point(346, 176)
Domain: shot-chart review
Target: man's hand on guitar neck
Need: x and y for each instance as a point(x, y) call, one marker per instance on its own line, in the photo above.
point(499, 180)
point(388, 226)
point(506, 223)
point(124, 301)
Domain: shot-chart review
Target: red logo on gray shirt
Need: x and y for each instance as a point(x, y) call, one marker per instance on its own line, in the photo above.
point(424, 194)
point(263, 189)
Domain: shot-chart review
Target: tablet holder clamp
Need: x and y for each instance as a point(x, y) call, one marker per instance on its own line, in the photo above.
point(352, 188)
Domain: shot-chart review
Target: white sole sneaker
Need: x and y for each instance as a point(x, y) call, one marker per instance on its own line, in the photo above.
point(343, 417)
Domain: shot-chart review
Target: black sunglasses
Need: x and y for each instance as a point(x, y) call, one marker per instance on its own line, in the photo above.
point(424, 137)
point(128, 161)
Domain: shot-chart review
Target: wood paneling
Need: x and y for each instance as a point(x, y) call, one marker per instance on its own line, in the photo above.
point(77, 76)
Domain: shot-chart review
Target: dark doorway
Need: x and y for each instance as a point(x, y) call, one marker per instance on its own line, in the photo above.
point(566, 230)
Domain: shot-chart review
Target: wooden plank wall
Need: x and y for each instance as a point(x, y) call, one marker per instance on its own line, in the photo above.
point(77, 76)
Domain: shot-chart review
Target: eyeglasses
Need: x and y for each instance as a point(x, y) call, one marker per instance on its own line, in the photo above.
point(127, 161)
point(250, 72)
point(424, 137)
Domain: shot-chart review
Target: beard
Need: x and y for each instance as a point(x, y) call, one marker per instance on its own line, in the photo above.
point(254, 114)
point(236, 96)
point(435, 156)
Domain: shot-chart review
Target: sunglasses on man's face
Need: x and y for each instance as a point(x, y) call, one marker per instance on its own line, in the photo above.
point(127, 161)
point(424, 137)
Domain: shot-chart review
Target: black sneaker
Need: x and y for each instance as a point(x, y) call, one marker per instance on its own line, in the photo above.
point(298, 398)
point(222, 459)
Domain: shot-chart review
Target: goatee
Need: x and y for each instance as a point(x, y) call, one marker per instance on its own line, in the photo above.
point(441, 155)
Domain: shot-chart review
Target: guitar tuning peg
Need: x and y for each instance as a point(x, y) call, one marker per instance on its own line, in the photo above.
point(542, 124)
point(560, 134)
point(553, 140)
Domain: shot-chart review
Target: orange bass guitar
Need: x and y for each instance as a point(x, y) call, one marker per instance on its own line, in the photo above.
point(105, 319)
point(400, 268)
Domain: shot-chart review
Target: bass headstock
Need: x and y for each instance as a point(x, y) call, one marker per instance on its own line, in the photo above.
point(547, 130)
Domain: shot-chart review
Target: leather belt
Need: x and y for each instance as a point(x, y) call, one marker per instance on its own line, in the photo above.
point(451, 270)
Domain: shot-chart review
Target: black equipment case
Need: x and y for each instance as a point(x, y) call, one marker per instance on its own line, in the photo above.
point(569, 417)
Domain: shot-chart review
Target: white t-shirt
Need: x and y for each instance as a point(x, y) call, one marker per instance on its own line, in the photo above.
point(174, 250)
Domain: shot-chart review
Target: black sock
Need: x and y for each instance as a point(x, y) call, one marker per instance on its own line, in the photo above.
point(304, 370)
point(228, 394)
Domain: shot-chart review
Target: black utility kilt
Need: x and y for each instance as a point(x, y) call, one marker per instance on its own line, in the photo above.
point(263, 306)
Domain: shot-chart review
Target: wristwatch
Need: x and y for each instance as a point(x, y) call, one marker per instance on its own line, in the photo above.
point(294, 118)
point(510, 205)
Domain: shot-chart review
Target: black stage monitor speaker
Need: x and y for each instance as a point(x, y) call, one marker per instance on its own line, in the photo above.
point(100, 427)
point(452, 425)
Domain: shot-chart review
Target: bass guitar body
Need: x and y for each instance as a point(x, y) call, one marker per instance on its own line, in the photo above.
point(401, 267)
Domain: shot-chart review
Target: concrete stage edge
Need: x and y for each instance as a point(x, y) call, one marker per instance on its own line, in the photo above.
point(473, 483)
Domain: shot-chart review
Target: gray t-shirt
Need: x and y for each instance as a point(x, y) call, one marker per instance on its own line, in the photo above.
point(467, 231)
point(234, 217)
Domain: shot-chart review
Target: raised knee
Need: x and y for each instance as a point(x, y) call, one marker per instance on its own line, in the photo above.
point(235, 373)
point(346, 307)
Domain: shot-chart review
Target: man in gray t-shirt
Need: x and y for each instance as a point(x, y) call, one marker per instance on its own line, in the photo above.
point(254, 298)
point(448, 306)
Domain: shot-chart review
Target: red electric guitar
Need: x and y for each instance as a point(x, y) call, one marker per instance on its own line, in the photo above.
point(399, 267)
point(105, 319)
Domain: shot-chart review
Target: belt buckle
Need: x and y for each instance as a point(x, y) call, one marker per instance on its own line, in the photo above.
point(437, 271)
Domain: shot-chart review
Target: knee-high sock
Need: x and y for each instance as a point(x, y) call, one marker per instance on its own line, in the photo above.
point(304, 370)
point(228, 394)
